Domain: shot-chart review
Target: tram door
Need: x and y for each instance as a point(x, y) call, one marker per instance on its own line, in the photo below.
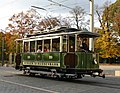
point(71, 44)
point(18, 54)
point(70, 58)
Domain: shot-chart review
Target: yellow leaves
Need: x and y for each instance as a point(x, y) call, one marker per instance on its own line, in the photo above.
point(107, 46)
point(110, 24)
point(10, 42)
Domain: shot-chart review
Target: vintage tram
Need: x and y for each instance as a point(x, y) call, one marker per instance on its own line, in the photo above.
point(57, 53)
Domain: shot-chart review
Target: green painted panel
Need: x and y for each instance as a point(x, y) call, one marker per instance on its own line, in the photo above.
point(87, 60)
point(28, 56)
point(84, 60)
point(51, 56)
point(95, 61)
point(62, 55)
point(41, 59)
point(38, 56)
point(81, 60)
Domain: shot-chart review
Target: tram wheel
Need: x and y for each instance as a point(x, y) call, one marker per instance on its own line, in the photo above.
point(24, 72)
point(31, 74)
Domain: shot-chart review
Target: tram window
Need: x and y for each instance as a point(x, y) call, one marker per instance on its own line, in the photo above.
point(26, 48)
point(71, 44)
point(82, 44)
point(32, 46)
point(56, 44)
point(85, 44)
point(39, 45)
point(47, 44)
point(65, 41)
point(79, 43)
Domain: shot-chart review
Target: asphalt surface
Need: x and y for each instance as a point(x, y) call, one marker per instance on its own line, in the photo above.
point(12, 81)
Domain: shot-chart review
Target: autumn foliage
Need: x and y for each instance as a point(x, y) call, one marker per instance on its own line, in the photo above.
point(108, 44)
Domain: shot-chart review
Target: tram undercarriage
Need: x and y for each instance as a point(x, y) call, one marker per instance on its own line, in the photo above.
point(61, 73)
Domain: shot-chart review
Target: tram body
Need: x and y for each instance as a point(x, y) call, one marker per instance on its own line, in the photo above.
point(65, 58)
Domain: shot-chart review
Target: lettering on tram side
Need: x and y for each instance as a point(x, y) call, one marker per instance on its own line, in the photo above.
point(42, 63)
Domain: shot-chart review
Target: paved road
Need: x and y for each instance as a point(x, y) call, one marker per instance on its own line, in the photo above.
point(12, 81)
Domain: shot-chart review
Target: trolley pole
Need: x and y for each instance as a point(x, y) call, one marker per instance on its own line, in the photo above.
point(91, 41)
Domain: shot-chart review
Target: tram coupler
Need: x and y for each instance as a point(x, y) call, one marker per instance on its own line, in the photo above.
point(98, 74)
point(102, 75)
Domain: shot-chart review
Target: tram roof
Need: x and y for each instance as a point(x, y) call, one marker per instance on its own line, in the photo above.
point(65, 31)
point(62, 31)
point(88, 34)
point(59, 30)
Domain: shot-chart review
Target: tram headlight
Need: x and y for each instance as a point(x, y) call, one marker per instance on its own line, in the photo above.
point(95, 61)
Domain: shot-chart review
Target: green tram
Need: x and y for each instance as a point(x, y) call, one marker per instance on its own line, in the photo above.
point(60, 54)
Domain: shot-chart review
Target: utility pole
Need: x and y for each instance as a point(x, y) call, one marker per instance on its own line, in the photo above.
point(91, 41)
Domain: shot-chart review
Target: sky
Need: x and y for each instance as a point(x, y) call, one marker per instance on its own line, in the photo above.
point(11, 7)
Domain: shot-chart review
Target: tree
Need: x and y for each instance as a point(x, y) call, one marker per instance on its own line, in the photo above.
point(27, 22)
point(49, 23)
point(103, 15)
point(78, 15)
point(23, 23)
point(10, 42)
point(107, 44)
point(110, 18)
point(64, 21)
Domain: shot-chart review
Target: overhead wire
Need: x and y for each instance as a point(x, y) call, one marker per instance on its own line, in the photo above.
point(63, 5)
